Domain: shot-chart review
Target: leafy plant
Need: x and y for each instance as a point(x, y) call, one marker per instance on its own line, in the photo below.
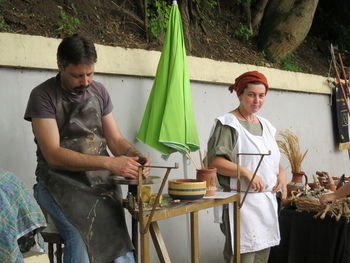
point(243, 32)
point(68, 24)
point(4, 27)
point(290, 63)
point(158, 14)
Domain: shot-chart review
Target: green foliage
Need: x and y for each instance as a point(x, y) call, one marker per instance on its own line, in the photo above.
point(68, 24)
point(4, 27)
point(289, 63)
point(158, 14)
point(2, 2)
point(243, 32)
point(266, 55)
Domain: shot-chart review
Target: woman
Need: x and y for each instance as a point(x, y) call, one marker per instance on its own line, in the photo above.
point(242, 131)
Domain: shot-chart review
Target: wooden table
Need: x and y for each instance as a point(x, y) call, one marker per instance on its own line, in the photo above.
point(177, 209)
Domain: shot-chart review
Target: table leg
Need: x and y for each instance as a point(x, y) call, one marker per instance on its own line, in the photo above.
point(237, 222)
point(135, 237)
point(159, 243)
point(134, 226)
point(144, 242)
point(194, 237)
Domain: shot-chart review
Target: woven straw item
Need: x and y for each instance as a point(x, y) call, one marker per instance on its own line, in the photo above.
point(309, 204)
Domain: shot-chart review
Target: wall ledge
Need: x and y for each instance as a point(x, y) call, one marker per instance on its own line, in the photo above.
point(28, 51)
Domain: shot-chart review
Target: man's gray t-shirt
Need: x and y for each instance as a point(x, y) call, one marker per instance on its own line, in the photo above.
point(43, 99)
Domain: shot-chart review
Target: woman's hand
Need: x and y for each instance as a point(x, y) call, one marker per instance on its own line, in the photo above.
point(281, 185)
point(258, 184)
point(328, 198)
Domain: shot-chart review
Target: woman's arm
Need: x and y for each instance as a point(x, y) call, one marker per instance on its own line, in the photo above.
point(281, 183)
point(342, 192)
point(228, 168)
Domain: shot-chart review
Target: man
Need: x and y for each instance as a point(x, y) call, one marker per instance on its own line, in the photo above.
point(73, 124)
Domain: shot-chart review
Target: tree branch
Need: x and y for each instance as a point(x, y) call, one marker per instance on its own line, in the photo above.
point(128, 13)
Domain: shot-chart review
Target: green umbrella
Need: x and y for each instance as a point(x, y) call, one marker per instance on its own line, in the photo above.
point(168, 123)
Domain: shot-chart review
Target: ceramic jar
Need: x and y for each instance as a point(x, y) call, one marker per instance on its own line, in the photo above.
point(208, 175)
point(296, 182)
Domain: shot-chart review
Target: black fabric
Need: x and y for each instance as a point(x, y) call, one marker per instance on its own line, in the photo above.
point(340, 119)
point(305, 239)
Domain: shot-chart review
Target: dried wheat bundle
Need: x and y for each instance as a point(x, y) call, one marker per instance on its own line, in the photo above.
point(290, 147)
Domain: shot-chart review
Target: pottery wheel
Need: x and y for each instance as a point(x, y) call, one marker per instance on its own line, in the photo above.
point(122, 180)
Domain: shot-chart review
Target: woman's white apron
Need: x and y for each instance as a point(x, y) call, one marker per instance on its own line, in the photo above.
point(259, 221)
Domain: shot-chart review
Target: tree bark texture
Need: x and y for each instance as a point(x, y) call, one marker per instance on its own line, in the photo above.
point(184, 10)
point(258, 14)
point(285, 25)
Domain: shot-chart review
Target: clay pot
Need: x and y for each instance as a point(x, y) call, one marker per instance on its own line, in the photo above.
point(208, 175)
point(296, 183)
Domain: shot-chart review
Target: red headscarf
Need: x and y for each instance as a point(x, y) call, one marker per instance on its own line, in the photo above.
point(242, 81)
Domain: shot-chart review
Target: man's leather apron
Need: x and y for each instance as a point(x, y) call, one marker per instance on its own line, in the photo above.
point(87, 199)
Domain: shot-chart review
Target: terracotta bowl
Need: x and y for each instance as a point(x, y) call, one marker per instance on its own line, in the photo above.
point(186, 189)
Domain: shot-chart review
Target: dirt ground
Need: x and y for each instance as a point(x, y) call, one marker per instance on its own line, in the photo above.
point(106, 24)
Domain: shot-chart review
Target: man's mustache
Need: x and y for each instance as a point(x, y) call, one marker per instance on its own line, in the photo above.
point(80, 89)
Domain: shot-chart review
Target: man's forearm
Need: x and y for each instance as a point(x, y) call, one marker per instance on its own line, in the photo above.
point(123, 147)
point(75, 161)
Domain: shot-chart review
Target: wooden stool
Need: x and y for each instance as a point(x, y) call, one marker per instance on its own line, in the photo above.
point(52, 237)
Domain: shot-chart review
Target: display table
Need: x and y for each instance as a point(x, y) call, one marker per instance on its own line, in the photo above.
point(305, 239)
point(177, 209)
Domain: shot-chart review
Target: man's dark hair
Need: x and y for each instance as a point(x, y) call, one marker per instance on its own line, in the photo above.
point(76, 49)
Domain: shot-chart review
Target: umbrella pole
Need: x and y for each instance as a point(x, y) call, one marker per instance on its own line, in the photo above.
point(188, 229)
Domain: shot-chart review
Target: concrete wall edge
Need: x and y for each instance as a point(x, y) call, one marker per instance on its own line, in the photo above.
point(37, 52)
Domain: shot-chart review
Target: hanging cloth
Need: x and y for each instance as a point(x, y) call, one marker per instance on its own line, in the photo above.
point(340, 119)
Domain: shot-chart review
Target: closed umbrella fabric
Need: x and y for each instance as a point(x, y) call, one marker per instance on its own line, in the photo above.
point(168, 123)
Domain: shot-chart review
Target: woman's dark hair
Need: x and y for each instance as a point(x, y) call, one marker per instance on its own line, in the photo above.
point(76, 49)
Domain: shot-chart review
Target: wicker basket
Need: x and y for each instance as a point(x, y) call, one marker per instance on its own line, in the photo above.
point(309, 204)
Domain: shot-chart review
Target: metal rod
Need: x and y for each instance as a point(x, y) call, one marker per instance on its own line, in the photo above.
point(156, 201)
point(139, 197)
point(254, 174)
point(144, 229)
point(344, 75)
point(176, 165)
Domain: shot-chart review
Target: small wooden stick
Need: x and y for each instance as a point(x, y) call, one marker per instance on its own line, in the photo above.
point(201, 159)
point(190, 157)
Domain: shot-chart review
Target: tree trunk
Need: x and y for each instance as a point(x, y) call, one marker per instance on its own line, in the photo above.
point(285, 25)
point(183, 6)
point(258, 14)
point(247, 13)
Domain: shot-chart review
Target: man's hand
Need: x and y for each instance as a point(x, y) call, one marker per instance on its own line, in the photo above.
point(124, 166)
point(146, 162)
